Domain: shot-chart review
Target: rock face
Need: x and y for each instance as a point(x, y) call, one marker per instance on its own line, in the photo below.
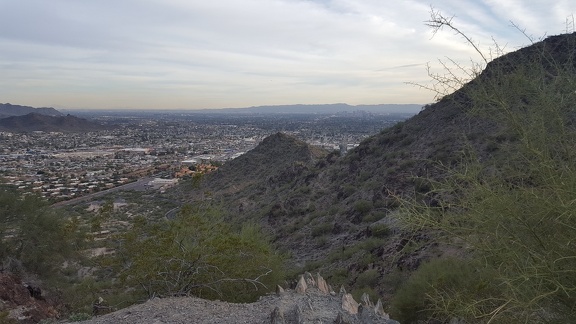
point(285, 307)
point(23, 302)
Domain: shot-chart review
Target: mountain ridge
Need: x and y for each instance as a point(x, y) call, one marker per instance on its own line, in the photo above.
point(8, 110)
point(46, 123)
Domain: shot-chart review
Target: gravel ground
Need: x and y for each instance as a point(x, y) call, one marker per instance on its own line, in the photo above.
point(315, 307)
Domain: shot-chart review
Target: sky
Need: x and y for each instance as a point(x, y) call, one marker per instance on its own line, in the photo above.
point(194, 54)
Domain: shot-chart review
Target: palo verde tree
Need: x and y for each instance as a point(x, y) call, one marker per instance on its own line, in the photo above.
point(34, 237)
point(514, 211)
point(199, 254)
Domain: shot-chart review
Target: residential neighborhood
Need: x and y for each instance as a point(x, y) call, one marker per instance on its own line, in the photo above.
point(61, 166)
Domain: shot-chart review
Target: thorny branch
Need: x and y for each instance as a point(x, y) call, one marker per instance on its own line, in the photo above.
point(438, 21)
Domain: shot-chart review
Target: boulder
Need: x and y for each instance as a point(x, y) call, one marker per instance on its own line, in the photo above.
point(301, 286)
point(322, 285)
point(349, 304)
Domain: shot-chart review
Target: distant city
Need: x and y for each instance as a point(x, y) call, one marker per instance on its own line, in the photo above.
point(136, 145)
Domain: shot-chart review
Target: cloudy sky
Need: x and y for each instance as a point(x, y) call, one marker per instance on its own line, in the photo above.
point(238, 53)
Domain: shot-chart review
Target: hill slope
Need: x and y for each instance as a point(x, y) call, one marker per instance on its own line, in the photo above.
point(340, 213)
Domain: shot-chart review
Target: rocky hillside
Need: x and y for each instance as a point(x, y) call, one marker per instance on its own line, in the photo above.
point(338, 214)
point(276, 161)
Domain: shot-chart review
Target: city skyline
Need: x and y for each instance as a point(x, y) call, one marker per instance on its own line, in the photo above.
point(180, 54)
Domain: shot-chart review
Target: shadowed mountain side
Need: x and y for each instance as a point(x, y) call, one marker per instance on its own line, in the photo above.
point(37, 122)
point(7, 110)
point(277, 159)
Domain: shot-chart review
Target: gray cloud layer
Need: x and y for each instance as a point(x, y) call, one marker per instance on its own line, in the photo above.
point(234, 53)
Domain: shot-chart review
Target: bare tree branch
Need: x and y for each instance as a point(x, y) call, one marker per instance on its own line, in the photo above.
point(438, 21)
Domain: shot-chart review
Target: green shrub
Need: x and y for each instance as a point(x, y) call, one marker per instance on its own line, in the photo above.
point(321, 229)
point(380, 230)
point(423, 295)
point(338, 277)
point(198, 254)
point(368, 278)
point(374, 216)
point(363, 206)
point(513, 211)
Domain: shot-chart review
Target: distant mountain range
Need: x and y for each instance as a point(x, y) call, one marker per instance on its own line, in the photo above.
point(280, 109)
point(8, 110)
point(320, 109)
point(16, 118)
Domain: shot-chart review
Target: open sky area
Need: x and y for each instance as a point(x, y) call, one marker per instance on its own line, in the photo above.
point(192, 54)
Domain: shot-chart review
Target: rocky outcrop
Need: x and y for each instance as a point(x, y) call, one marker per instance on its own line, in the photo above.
point(313, 302)
point(23, 302)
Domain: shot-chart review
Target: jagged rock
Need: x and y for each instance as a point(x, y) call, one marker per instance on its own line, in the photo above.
point(342, 290)
point(301, 286)
point(277, 316)
point(309, 279)
point(279, 290)
point(349, 304)
point(322, 285)
point(366, 300)
point(379, 310)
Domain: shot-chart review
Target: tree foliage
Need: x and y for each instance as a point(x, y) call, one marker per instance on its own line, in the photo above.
point(198, 254)
point(513, 212)
point(34, 235)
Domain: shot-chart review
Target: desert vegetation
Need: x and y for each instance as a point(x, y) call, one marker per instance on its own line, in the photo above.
point(79, 256)
point(511, 213)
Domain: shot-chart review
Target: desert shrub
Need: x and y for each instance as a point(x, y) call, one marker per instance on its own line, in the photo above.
point(38, 240)
point(337, 277)
point(321, 229)
point(322, 240)
point(363, 206)
point(368, 278)
point(366, 260)
point(514, 213)
point(421, 297)
point(198, 254)
point(380, 230)
point(374, 216)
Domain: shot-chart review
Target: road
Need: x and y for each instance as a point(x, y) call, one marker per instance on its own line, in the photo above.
point(136, 185)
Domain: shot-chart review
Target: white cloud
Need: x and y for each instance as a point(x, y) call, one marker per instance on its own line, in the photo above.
point(233, 53)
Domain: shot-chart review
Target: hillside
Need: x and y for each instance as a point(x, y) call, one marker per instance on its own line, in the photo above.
point(38, 122)
point(277, 160)
point(7, 110)
point(339, 214)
